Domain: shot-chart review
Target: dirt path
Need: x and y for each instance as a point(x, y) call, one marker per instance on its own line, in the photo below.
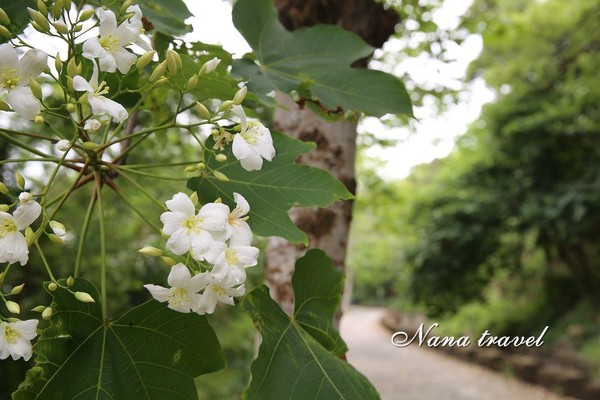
point(413, 373)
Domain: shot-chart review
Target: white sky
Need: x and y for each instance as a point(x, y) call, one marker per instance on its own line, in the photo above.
point(435, 134)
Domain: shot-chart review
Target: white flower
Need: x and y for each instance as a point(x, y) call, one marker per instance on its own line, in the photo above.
point(218, 291)
point(58, 229)
point(231, 263)
point(15, 339)
point(238, 230)
point(14, 78)
point(99, 103)
point(253, 143)
point(109, 49)
point(189, 231)
point(183, 295)
point(63, 145)
point(137, 26)
point(210, 65)
point(92, 125)
point(13, 245)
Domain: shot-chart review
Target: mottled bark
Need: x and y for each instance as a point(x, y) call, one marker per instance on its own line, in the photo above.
point(327, 229)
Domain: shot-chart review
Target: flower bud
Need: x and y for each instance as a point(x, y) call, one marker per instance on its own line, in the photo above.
point(90, 145)
point(72, 67)
point(221, 176)
point(4, 20)
point(38, 309)
point(161, 82)
point(194, 198)
point(39, 19)
point(4, 106)
point(221, 157)
point(168, 261)
point(38, 120)
point(42, 7)
point(190, 168)
point(63, 145)
point(13, 307)
point(86, 14)
point(36, 88)
point(202, 110)
point(57, 9)
point(227, 104)
point(17, 289)
point(84, 297)
point(56, 239)
point(173, 61)
point(218, 200)
point(145, 59)
point(192, 83)
point(5, 32)
point(240, 95)
point(150, 252)
point(201, 166)
point(47, 313)
point(58, 64)
point(159, 71)
point(4, 207)
point(164, 235)
point(70, 281)
point(70, 86)
point(57, 228)
point(52, 286)
point(209, 66)
point(3, 188)
point(60, 27)
point(125, 6)
point(78, 28)
point(20, 181)
point(70, 107)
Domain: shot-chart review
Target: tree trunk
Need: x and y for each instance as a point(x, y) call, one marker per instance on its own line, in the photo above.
point(328, 228)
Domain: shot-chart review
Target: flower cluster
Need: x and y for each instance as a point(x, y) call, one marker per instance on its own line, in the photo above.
point(13, 245)
point(216, 235)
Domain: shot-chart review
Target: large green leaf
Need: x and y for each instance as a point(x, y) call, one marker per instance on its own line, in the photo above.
point(315, 62)
point(167, 16)
point(291, 362)
point(151, 352)
point(17, 12)
point(280, 185)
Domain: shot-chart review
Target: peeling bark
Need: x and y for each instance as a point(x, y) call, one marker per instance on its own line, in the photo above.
point(328, 228)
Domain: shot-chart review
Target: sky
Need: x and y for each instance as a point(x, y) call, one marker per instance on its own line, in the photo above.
point(434, 135)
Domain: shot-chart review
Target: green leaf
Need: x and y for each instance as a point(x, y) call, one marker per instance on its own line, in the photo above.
point(317, 291)
point(280, 185)
point(291, 362)
point(316, 58)
point(167, 16)
point(17, 12)
point(151, 352)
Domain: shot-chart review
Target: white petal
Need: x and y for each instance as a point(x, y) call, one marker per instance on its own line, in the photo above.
point(201, 243)
point(214, 216)
point(159, 293)
point(124, 60)
point(241, 204)
point(179, 242)
point(27, 329)
point(215, 251)
point(240, 148)
point(265, 149)
point(81, 85)
point(92, 49)
point(247, 255)
point(199, 282)
point(208, 301)
point(8, 57)
point(239, 111)
point(108, 22)
point(179, 275)
point(13, 248)
point(172, 221)
point(26, 213)
point(252, 163)
point(181, 203)
point(24, 102)
point(32, 64)
point(21, 348)
point(107, 63)
point(102, 105)
point(241, 235)
point(126, 33)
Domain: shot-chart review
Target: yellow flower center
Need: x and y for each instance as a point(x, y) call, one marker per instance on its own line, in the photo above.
point(192, 224)
point(253, 133)
point(11, 334)
point(7, 226)
point(231, 257)
point(10, 80)
point(109, 43)
point(179, 296)
point(102, 89)
point(219, 290)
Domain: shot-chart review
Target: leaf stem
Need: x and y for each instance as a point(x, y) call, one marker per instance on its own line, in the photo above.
point(45, 262)
point(84, 231)
point(102, 245)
